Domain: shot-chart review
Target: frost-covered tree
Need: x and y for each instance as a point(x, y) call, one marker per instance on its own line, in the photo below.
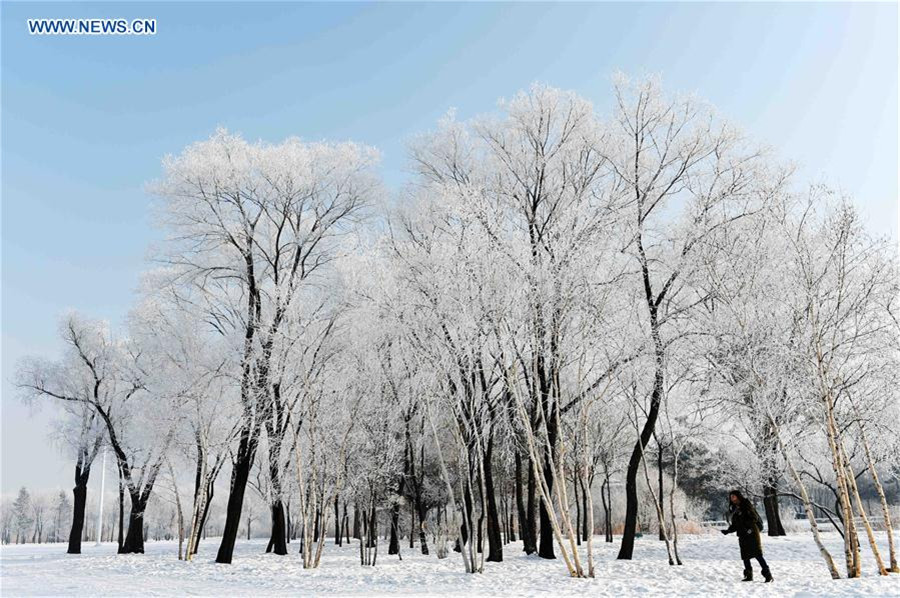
point(529, 207)
point(688, 177)
point(61, 513)
point(23, 516)
point(81, 377)
point(250, 226)
point(129, 390)
point(559, 304)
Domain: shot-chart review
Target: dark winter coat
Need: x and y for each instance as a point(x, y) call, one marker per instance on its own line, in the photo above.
point(746, 523)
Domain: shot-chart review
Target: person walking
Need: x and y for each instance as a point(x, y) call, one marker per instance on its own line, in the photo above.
point(746, 523)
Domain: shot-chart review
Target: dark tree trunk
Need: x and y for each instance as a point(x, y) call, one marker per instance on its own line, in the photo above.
point(356, 521)
point(607, 526)
point(466, 525)
point(318, 525)
point(412, 526)
point(512, 520)
point(769, 449)
point(659, 467)
point(577, 513)
point(134, 541)
point(504, 520)
point(773, 514)
point(373, 528)
point(346, 524)
point(277, 543)
point(288, 527)
point(528, 545)
point(423, 513)
point(626, 550)
point(545, 548)
point(479, 545)
point(529, 535)
point(198, 470)
point(79, 503)
point(121, 538)
point(394, 545)
point(240, 473)
point(337, 521)
point(653, 300)
point(421, 509)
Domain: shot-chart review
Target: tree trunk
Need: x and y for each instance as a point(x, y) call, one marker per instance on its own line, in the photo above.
point(394, 544)
point(626, 550)
point(423, 513)
point(121, 539)
point(346, 523)
point(545, 548)
point(807, 504)
point(885, 510)
point(657, 503)
point(773, 513)
point(134, 541)
point(850, 540)
point(851, 480)
point(586, 532)
point(513, 522)
point(412, 526)
point(607, 525)
point(768, 448)
point(179, 514)
point(337, 520)
point(239, 476)
point(495, 541)
point(662, 511)
point(466, 524)
point(373, 532)
point(277, 542)
point(526, 517)
point(577, 511)
point(479, 528)
point(531, 511)
point(289, 528)
point(319, 531)
point(79, 503)
point(209, 489)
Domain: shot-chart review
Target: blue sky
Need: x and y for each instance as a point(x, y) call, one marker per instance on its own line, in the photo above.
point(86, 120)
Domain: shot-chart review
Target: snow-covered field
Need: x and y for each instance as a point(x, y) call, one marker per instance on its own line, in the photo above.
point(711, 568)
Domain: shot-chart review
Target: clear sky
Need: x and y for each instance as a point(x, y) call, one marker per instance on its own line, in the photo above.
point(86, 120)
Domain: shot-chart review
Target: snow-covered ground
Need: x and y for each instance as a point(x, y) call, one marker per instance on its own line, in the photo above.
point(711, 568)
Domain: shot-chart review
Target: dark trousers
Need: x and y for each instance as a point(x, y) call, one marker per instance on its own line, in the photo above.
point(762, 563)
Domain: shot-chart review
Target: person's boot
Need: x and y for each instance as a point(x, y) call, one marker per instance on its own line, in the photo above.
point(748, 575)
point(767, 575)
